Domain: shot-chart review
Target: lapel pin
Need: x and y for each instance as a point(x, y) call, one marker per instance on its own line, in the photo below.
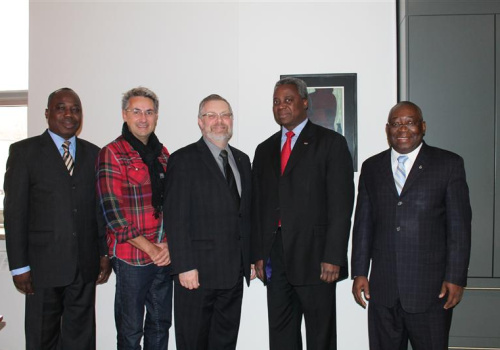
point(306, 143)
point(420, 167)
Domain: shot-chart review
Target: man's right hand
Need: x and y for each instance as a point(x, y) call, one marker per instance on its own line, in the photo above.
point(23, 283)
point(361, 285)
point(161, 254)
point(189, 279)
point(259, 269)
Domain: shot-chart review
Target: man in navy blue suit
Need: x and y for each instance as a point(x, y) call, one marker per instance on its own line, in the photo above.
point(302, 200)
point(413, 223)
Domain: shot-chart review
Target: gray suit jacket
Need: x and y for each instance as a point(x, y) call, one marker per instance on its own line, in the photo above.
point(417, 240)
point(51, 219)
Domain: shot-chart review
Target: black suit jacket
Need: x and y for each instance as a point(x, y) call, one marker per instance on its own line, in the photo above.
point(313, 198)
point(51, 217)
point(205, 229)
point(417, 240)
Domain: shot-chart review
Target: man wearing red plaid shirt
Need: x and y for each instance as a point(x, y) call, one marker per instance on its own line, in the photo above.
point(130, 183)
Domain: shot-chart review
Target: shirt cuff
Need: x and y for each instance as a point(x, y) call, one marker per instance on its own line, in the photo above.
point(20, 270)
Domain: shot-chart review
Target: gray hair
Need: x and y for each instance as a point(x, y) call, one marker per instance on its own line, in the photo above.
point(212, 97)
point(140, 92)
point(299, 84)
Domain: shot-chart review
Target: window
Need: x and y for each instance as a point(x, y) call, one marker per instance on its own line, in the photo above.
point(14, 26)
point(13, 127)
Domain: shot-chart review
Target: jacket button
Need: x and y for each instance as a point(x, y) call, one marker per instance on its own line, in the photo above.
point(398, 228)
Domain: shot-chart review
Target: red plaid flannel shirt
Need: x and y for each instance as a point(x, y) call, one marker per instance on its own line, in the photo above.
point(124, 189)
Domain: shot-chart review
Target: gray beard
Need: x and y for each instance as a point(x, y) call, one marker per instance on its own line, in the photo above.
point(219, 137)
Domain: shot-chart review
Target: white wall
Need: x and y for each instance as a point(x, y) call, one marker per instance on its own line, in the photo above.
point(185, 51)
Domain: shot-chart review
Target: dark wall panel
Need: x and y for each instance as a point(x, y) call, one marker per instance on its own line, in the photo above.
point(451, 76)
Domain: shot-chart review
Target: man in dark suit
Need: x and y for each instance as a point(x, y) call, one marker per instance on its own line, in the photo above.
point(207, 221)
point(413, 222)
point(55, 241)
point(302, 217)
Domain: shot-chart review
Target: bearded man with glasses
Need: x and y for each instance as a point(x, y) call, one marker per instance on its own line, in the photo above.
point(207, 220)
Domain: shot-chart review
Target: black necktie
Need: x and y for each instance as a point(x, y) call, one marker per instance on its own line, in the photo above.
point(231, 181)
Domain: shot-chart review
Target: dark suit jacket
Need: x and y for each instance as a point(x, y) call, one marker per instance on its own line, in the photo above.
point(50, 216)
point(417, 240)
point(205, 230)
point(313, 198)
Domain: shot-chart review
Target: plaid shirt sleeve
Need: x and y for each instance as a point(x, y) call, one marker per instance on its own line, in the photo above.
point(110, 177)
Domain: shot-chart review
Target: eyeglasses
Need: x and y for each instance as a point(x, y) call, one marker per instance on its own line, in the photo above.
point(213, 115)
point(409, 125)
point(136, 112)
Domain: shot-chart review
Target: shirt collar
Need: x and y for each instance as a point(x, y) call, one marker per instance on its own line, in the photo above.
point(297, 130)
point(411, 156)
point(214, 148)
point(58, 140)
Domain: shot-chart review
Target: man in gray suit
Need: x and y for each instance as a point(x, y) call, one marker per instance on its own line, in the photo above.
point(413, 223)
point(55, 239)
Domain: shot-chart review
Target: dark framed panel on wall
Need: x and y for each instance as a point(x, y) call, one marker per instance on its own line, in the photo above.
point(333, 104)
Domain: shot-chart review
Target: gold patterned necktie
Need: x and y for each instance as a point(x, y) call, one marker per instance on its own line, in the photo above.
point(67, 158)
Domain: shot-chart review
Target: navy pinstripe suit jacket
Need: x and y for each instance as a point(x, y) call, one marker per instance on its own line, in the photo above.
point(417, 240)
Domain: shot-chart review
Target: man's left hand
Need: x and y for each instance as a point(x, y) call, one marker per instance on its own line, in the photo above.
point(105, 270)
point(455, 293)
point(329, 273)
point(253, 274)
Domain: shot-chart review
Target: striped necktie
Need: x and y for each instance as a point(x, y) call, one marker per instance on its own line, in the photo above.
point(400, 175)
point(67, 158)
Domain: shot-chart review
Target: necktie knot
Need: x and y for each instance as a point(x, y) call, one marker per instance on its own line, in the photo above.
point(289, 135)
point(402, 159)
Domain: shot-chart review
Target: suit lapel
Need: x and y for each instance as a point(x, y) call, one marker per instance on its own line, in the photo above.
point(243, 178)
point(386, 172)
point(302, 144)
point(80, 158)
point(276, 153)
point(52, 155)
point(209, 160)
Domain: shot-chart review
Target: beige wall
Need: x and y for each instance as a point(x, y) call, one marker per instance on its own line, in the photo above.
point(185, 51)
